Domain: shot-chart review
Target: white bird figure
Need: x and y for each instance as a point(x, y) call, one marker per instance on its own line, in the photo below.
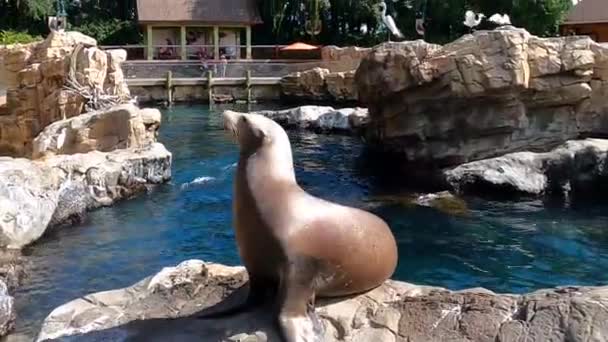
point(500, 20)
point(389, 23)
point(363, 28)
point(61, 138)
point(472, 20)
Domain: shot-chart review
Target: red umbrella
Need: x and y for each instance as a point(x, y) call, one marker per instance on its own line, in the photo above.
point(299, 46)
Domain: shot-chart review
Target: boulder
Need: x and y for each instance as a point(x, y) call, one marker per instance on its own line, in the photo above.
point(37, 74)
point(35, 195)
point(319, 118)
point(319, 85)
point(163, 307)
point(483, 95)
point(7, 310)
point(120, 127)
point(343, 58)
point(577, 168)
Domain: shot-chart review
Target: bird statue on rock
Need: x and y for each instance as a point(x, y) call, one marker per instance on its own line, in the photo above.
point(472, 20)
point(389, 23)
point(500, 20)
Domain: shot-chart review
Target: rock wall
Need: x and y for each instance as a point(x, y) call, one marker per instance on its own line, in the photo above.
point(36, 75)
point(344, 59)
point(319, 85)
point(576, 170)
point(87, 161)
point(484, 95)
point(163, 306)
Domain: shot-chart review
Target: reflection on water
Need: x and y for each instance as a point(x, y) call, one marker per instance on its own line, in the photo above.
point(504, 246)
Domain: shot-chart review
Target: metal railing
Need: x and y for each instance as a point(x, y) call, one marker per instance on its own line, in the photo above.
point(198, 52)
point(228, 68)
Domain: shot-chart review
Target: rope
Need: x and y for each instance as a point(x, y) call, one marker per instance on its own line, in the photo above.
point(95, 97)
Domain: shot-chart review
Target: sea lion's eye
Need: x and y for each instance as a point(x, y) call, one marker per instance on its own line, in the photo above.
point(244, 118)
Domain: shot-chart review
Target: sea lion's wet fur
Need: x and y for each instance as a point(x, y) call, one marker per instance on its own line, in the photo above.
point(296, 244)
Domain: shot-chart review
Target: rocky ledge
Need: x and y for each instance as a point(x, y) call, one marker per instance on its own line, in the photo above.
point(319, 85)
point(320, 118)
point(576, 169)
point(54, 79)
point(163, 307)
point(483, 95)
point(36, 195)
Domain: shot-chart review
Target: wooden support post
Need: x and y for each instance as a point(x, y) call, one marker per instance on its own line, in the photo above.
point(210, 86)
point(170, 87)
point(183, 43)
point(248, 42)
point(149, 43)
point(248, 85)
point(216, 43)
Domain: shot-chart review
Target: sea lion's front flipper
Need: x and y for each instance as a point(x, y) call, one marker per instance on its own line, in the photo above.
point(297, 319)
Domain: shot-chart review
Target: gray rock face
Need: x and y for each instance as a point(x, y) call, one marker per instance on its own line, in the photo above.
point(483, 95)
point(7, 310)
point(577, 168)
point(320, 118)
point(37, 194)
point(396, 311)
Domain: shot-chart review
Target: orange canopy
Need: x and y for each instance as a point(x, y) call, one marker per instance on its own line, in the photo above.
point(299, 46)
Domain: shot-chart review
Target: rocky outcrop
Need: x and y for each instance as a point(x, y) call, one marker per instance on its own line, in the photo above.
point(396, 311)
point(484, 95)
point(573, 170)
point(319, 85)
point(36, 75)
point(343, 58)
point(37, 194)
point(120, 127)
point(319, 118)
point(7, 310)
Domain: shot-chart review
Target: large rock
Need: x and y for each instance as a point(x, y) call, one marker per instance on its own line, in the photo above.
point(578, 168)
point(37, 194)
point(343, 58)
point(396, 311)
point(7, 310)
point(319, 85)
point(120, 127)
point(319, 118)
point(484, 95)
point(36, 75)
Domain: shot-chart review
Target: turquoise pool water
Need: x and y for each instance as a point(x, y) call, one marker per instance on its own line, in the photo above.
point(503, 246)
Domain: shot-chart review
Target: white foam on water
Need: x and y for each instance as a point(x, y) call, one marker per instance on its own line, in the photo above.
point(198, 181)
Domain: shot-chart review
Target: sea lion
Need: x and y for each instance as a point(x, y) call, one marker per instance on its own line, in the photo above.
point(292, 242)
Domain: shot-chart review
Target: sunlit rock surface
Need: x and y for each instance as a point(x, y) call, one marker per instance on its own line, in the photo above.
point(578, 168)
point(37, 194)
point(483, 95)
point(396, 311)
point(34, 76)
point(320, 118)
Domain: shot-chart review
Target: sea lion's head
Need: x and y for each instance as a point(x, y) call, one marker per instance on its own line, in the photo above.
point(253, 132)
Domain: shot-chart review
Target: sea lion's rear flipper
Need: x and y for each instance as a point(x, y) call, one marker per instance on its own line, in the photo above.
point(297, 319)
point(247, 298)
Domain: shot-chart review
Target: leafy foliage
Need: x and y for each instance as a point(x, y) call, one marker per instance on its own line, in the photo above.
point(14, 37)
point(111, 32)
point(337, 22)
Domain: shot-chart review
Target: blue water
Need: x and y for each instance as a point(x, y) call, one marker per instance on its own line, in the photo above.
point(503, 246)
